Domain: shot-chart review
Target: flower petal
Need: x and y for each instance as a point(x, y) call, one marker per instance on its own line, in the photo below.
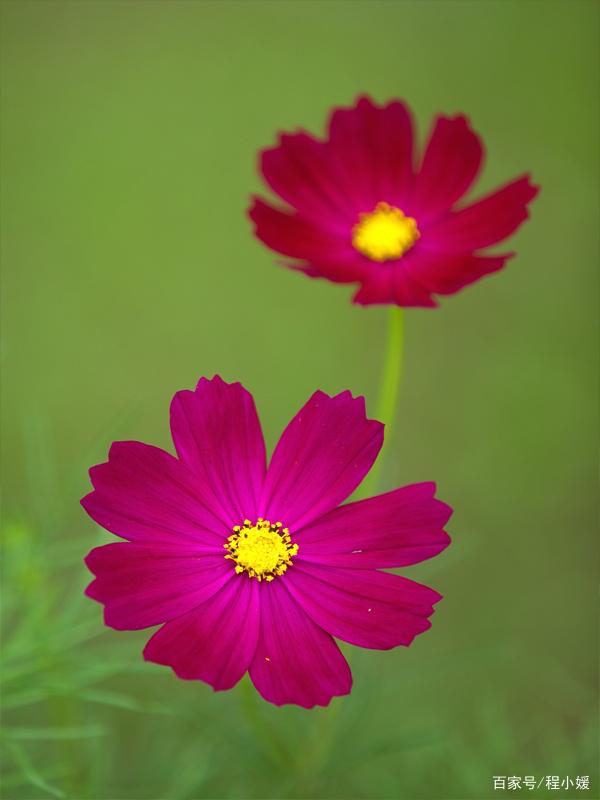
point(217, 434)
point(142, 586)
point(295, 661)
point(364, 607)
point(450, 165)
point(338, 272)
point(392, 283)
point(407, 292)
point(484, 223)
point(300, 171)
point(145, 494)
point(297, 237)
point(391, 530)
point(215, 642)
point(444, 273)
point(372, 149)
point(321, 457)
point(376, 287)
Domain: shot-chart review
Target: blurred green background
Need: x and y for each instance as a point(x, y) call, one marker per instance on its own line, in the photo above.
point(129, 136)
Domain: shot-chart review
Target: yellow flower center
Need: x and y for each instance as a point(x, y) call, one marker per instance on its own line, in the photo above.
point(261, 549)
point(384, 233)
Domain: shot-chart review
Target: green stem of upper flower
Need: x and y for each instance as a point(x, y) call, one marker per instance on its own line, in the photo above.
point(388, 392)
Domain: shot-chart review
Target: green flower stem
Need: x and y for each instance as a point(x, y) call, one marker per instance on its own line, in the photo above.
point(388, 392)
point(386, 413)
point(271, 744)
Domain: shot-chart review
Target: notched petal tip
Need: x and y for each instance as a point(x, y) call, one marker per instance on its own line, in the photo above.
point(429, 488)
point(149, 654)
point(363, 101)
point(309, 705)
point(255, 201)
point(401, 291)
point(96, 473)
point(117, 453)
point(216, 380)
point(534, 187)
point(91, 590)
point(356, 402)
point(364, 298)
point(116, 447)
point(434, 598)
point(444, 509)
point(256, 211)
point(425, 627)
point(287, 137)
point(528, 190)
point(89, 563)
point(204, 381)
point(444, 540)
point(87, 499)
point(366, 100)
point(459, 118)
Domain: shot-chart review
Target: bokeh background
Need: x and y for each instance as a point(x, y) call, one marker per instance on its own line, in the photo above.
point(129, 137)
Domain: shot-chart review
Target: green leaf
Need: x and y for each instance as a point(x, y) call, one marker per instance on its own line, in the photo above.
point(56, 733)
point(30, 772)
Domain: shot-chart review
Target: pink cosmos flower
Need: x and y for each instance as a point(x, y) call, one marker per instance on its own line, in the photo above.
point(365, 209)
point(249, 568)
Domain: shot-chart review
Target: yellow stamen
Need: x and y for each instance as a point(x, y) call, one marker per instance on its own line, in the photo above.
point(384, 233)
point(261, 549)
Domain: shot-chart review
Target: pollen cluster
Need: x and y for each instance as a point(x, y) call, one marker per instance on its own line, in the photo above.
point(261, 549)
point(384, 233)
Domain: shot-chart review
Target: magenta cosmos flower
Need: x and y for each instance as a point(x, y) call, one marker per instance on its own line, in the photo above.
point(365, 210)
point(249, 568)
